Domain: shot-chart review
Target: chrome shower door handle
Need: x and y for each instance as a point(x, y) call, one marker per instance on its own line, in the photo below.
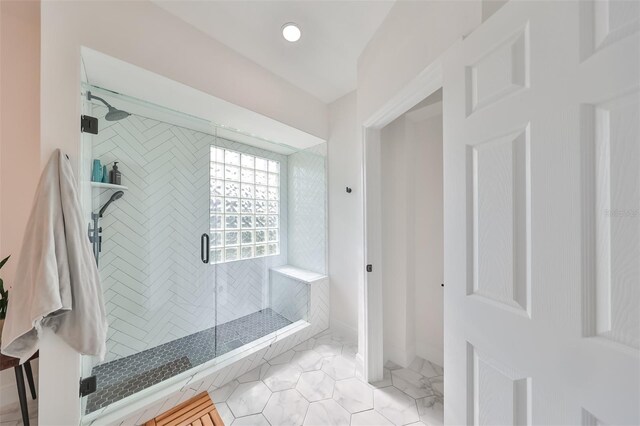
point(204, 248)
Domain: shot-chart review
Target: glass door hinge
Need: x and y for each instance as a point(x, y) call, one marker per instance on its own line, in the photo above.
point(88, 385)
point(89, 124)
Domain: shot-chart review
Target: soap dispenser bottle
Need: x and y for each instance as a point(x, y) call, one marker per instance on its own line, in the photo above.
point(115, 175)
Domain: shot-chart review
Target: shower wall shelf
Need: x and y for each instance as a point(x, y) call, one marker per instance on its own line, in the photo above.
point(108, 186)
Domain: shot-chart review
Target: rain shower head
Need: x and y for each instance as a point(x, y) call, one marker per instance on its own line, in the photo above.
point(116, 114)
point(113, 114)
point(116, 196)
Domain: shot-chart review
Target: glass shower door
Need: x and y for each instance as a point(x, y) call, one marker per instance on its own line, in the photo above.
point(159, 295)
point(232, 242)
point(248, 239)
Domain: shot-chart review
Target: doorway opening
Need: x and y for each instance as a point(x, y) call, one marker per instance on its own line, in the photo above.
point(412, 256)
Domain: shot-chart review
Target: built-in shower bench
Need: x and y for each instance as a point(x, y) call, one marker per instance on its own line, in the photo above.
point(300, 294)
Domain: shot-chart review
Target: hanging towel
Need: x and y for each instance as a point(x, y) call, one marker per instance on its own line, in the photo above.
point(57, 284)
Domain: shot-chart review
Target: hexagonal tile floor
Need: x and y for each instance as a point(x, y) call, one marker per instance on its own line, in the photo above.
point(316, 384)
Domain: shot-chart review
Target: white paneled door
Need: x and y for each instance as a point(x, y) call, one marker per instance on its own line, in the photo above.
point(542, 217)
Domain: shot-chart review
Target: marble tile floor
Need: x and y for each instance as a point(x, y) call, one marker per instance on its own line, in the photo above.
point(316, 383)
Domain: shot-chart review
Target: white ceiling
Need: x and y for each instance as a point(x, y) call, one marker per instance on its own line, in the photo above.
point(322, 63)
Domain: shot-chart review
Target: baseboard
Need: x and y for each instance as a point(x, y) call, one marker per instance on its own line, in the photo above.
point(397, 355)
point(433, 354)
point(360, 365)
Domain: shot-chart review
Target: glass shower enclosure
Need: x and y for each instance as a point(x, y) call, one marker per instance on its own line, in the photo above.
point(186, 250)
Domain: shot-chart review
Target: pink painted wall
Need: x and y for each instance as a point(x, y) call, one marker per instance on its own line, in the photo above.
point(19, 138)
point(20, 122)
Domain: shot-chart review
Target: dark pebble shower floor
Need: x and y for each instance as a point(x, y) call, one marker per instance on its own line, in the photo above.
point(126, 376)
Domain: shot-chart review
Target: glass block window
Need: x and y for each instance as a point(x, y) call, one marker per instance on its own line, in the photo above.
point(244, 206)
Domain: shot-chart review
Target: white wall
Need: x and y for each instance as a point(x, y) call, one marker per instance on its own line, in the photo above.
point(412, 36)
point(346, 258)
point(412, 236)
point(397, 259)
point(428, 238)
point(144, 35)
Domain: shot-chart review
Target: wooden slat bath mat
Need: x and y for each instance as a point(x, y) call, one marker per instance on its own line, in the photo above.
point(197, 411)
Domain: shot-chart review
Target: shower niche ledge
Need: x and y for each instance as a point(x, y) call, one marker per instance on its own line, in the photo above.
point(108, 186)
point(298, 273)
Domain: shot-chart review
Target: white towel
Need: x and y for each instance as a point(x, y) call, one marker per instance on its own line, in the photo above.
point(57, 283)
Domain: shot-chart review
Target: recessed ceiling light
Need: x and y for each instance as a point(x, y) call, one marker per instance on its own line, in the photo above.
point(291, 32)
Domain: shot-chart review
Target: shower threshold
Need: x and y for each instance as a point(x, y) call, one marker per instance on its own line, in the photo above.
point(126, 376)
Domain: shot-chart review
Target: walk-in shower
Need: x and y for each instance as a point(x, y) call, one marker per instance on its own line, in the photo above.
point(172, 317)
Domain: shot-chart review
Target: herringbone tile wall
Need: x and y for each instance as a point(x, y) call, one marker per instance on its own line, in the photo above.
point(289, 297)
point(307, 210)
point(156, 288)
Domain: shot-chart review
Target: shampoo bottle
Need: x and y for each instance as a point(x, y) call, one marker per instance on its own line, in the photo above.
point(96, 174)
point(115, 175)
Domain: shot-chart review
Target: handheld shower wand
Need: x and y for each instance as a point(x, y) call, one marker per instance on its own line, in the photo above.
point(95, 236)
point(116, 196)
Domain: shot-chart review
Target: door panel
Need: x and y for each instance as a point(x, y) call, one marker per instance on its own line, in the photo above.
point(542, 217)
